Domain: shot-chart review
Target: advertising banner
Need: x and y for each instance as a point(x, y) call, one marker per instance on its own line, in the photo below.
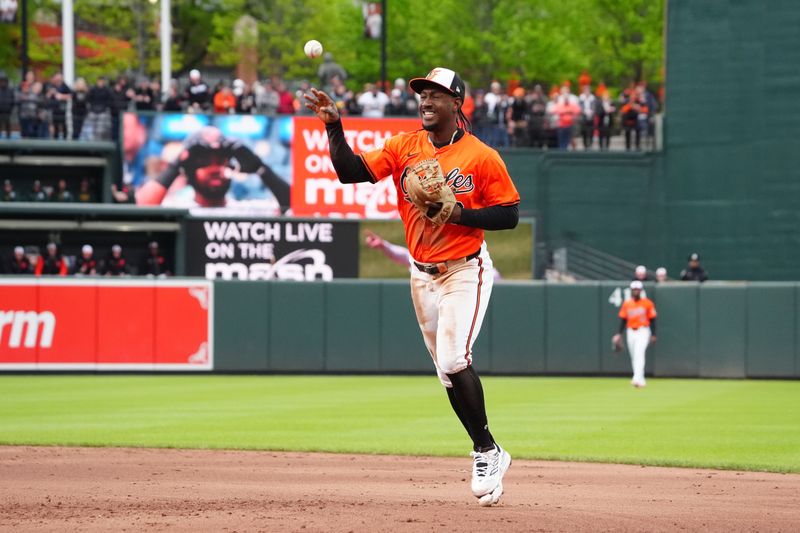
point(317, 192)
point(280, 249)
point(252, 165)
point(97, 324)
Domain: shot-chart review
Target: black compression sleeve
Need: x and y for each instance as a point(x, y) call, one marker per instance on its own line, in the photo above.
point(494, 217)
point(349, 167)
point(622, 323)
point(653, 326)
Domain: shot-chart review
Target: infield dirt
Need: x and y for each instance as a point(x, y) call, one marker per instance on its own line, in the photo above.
point(122, 489)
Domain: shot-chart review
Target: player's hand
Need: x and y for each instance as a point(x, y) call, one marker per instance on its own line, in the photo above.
point(372, 240)
point(434, 207)
point(322, 106)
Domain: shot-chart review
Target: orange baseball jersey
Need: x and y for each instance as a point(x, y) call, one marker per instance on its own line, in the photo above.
point(474, 171)
point(638, 313)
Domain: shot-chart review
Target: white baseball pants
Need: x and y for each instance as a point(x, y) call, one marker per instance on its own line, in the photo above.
point(450, 308)
point(638, 340)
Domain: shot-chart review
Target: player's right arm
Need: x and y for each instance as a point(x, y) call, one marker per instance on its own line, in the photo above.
point(349, 167)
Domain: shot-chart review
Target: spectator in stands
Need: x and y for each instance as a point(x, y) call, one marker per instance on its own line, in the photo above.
point(80, 106)
point(85, 192)
point(328, 70)
point(517, 118)
point(62, 194)
point(123, 94)
point(174, 101)
point(115, 264)
point(53, 263)
point(38, 194)
point(396, 106)
point(154, 264)
point(496, 105)
point(633, 113)
point(19, 262)
point(567, 112)
point(33, 112)
point(224, 101)
point(86, 264)
point(245, 98)
point(588, 105)
point(640, 273)
point(661, 274)
point(647, 121)
point(694, 272)
point(143, 96)
point(285, 99)
point(605, 119)
point(266, 98)
point(100, 100)
point(372, 101)
point(30, 79)
point(9, 194)
point(8, 100)
point(480, 118)
point(60, 95)
point(537, 117)
point(197, 94)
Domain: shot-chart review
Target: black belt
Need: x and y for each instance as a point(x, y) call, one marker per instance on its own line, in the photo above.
point(440, 268)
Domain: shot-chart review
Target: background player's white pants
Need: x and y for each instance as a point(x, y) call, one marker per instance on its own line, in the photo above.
point(450, 308)
point(638, 340)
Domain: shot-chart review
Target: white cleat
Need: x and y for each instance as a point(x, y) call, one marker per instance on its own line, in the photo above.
point(488, 469)
point(487, 500)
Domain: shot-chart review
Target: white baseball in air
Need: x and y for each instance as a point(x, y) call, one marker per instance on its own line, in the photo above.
point(313, 48)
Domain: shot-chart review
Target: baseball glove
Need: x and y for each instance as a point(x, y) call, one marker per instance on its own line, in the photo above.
point(426, 183)
point(616, 343)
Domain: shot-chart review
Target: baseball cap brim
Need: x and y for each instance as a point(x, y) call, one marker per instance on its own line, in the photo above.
point(440, 78)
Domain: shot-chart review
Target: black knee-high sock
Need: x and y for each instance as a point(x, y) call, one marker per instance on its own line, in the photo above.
point(451, 395)
point(468, 396)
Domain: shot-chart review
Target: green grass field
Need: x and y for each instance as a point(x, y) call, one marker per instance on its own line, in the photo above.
point(748, 425)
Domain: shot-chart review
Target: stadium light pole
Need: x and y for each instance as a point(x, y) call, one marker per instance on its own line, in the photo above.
point(166, 47)
point(24, 48)
point(67, 42)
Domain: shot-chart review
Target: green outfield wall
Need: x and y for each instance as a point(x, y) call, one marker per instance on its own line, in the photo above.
point(715, 330)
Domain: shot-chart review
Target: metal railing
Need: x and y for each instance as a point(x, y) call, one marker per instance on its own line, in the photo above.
point(582, 262)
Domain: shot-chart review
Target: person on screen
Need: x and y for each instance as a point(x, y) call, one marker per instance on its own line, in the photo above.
point(208, 161)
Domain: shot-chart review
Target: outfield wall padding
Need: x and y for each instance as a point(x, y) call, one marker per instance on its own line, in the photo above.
point(713, 330)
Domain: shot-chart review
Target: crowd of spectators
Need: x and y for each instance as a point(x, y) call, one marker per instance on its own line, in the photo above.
point(58, 191)
point(502, 116)
point(30, 261)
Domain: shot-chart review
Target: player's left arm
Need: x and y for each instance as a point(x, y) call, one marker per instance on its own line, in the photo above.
point(651, 314)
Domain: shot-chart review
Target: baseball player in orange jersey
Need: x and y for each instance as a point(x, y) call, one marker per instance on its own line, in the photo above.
point(451, 280)
point(638, 314)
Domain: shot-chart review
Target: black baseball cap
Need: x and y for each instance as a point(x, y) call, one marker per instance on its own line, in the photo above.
point(440, 77)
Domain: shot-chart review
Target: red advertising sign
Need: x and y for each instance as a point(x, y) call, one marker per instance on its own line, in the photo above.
point(315, 189)
point(96, 324)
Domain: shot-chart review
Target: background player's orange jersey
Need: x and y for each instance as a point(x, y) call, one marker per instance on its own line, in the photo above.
point(638, 313)
point(474, 171)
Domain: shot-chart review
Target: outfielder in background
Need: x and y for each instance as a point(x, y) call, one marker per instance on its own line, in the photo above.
point(638, 316)
point(464, 190)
